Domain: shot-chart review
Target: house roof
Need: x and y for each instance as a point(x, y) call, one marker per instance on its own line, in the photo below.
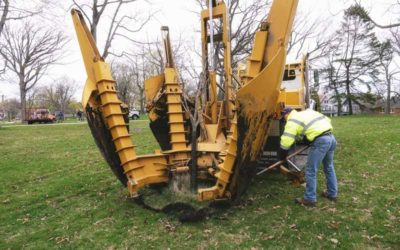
point(394, 103)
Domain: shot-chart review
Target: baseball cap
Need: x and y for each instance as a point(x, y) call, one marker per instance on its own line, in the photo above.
point(286, 111)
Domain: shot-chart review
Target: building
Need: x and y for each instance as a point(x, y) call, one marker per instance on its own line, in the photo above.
point(394, 106)
point(328, 104)
point(359, 107)
point(362, 105)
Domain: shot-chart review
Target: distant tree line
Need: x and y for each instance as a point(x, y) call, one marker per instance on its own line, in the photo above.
point(352, 62)
point(357, 67)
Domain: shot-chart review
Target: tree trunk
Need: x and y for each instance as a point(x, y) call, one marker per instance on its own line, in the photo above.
point(338, 99)
point(23, 104)
point(387, 109)
point(63, 107)
point(95, 20)
point(193, 166)
point(348, 94)
point(141, 100)
point(4, 15)
point(339, 106)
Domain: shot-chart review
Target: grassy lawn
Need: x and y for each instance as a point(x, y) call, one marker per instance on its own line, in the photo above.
point(57, 192)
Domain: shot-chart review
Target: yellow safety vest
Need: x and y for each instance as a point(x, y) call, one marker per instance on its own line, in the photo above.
point(307, 123)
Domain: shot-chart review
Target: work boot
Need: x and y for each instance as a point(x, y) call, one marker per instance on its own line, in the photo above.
point(304, 202)
point(325, 195)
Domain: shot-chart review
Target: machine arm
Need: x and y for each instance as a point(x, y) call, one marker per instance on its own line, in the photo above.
point(256, 102)
point(106, 120)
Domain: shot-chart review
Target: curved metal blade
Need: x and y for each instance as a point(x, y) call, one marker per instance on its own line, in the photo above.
point(104, 142)
point(257, 103)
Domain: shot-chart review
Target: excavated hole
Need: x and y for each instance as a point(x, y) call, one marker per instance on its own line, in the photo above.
point(176, 199)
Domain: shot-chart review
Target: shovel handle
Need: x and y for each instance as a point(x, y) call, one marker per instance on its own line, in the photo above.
point(280, 162)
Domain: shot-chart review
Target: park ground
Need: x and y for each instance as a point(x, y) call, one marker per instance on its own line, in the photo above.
point(57, 192)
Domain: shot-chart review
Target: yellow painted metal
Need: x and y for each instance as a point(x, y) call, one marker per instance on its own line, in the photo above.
point(213, 97)
point(153, 91)
point(255, 103)
point(152, 87)
point(90, 54)
point(219, 12)
point(204, 161)
point(181, 170)
point(212, 132)
point(224, 170)
point(257, 99)
point(88, 89)
point(169, 61)
point(254, 62)
point(175, 112)
point(179, 148)
point(168, 84)
point(229, 98)
point(209, 147)
point(280, 20)
point(140, 171)
point(152, 115)
point(295, 98)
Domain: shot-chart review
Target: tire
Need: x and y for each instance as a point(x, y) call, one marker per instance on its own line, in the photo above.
point(134, 117)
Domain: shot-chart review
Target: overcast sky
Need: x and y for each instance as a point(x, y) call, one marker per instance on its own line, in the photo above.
point(180, 16)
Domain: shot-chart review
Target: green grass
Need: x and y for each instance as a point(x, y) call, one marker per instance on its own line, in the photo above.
point(57, 192)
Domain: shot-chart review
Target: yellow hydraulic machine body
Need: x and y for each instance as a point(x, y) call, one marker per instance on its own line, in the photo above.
point(295, 94)
point(234, 126)
point(103, 110)
point(295, 90)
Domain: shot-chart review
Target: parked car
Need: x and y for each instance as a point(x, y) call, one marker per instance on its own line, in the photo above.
point(134, 114)
point(39, 116)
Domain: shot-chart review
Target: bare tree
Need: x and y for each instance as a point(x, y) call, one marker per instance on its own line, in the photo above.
point(32, 97)
point(123, 74)
point(11, 108)
point(307, 38)
point(130, 79)
point(94, 10)
point(385, 53)
point(10, 11)
point(245, 17)
point(28, 52)
point(59, 94)
point(5, 7)
point(153, 53)
point(133, 68)
point(303, 31)
point(142, 70)
point(396, 39)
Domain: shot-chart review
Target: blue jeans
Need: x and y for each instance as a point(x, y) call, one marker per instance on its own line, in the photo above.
point(322, 150)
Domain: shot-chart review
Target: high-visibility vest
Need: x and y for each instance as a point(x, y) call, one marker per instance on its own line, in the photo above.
point(307, 123)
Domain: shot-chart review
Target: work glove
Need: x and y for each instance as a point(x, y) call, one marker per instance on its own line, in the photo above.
point(283, 157)
point(304, 141)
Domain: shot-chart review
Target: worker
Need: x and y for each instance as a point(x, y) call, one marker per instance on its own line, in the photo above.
point(316, 129)
point(79, 114)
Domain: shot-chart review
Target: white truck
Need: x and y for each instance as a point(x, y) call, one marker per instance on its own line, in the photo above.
point(134, 114)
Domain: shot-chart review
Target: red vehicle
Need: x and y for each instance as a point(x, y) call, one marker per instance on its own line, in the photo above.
point(39, 116)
